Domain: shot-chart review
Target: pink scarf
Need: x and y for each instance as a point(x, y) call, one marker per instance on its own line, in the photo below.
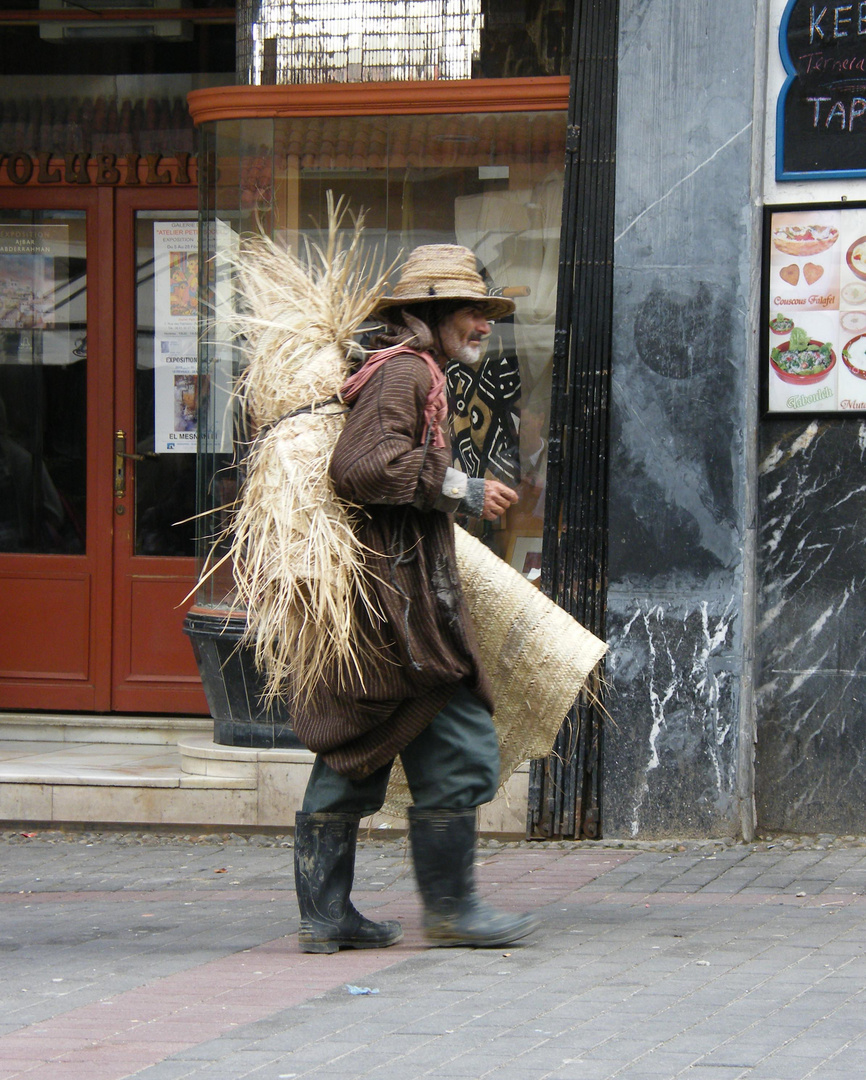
point(436, 406)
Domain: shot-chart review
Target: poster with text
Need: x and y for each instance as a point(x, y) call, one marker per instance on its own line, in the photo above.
point(816, 311)
point(175, 339)
point(34, 294)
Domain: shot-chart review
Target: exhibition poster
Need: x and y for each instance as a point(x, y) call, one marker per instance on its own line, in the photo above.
point(175, 339)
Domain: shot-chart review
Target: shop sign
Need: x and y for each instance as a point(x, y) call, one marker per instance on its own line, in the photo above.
point(127, 170)
point(821, 112)
point(814, 310)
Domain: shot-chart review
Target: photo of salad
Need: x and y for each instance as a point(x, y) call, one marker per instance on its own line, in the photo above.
point(801, 359)
point(781, 324)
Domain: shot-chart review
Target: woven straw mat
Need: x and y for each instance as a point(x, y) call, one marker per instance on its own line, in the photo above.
point(537, 656)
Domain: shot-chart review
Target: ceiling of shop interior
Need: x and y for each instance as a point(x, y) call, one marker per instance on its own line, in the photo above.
point(209, 26)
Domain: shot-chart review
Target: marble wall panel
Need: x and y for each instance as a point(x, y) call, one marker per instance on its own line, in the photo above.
point(678, 454)
point(671, 748)
point(811, 626)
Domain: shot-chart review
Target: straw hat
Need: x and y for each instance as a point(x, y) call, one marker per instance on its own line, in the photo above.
point(443, 272)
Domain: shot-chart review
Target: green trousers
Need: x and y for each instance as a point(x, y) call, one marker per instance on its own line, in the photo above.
point(453, 763)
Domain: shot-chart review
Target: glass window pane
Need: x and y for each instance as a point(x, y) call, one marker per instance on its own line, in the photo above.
point(166, 381)
point(491, 182)
point(43, 381)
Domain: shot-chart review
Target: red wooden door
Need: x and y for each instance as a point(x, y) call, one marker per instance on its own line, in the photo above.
point(56, 354)
point(90, 579)
point(156, 254)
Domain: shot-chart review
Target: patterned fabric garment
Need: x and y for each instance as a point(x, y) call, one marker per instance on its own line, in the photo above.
point(484, 403)
point(426, 644)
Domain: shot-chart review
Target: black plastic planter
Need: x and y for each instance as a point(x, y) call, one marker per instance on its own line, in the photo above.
point(233, 687)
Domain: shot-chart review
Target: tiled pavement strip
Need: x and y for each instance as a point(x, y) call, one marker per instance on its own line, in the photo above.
point(166, 957)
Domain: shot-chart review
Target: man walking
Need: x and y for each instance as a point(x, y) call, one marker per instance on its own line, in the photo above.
point(427, 697)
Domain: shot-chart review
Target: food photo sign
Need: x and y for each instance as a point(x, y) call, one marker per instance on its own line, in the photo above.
point(814, 310)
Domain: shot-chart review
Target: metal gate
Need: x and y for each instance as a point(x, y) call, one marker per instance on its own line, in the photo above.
point(565, 793)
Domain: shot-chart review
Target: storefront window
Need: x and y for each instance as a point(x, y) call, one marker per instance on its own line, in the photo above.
point(166, 381)
point(43, 363)
point(492, 182)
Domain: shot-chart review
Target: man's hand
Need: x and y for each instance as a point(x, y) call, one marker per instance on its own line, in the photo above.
point(497, 499)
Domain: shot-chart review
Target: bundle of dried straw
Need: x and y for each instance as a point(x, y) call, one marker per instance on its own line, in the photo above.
point(297, 566)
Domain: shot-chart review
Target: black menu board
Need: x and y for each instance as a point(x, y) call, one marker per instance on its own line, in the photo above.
point(821, 117)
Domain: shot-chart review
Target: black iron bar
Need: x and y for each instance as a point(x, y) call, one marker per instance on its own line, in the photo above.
point(567, 790)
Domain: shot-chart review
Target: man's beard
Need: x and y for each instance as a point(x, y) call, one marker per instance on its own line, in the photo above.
point(470, 353)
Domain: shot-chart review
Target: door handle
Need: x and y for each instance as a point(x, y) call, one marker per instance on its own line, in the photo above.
point(148, 455)
point(119, 464)
point(121, 456)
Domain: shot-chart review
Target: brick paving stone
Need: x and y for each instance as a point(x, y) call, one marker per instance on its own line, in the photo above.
point(658, 1067)
point(781, 1067)
point(650, 963)
point(703, 1072)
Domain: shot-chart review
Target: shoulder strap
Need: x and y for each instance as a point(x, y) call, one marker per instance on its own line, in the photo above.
point(436, 406)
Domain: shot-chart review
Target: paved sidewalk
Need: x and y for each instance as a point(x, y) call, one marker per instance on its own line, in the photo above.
point(170, 957)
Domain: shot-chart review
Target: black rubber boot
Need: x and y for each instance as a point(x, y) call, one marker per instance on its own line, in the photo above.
point(443, 852)
point(324, 871)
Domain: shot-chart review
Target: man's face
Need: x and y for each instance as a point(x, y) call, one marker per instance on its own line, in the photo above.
point(463, 334)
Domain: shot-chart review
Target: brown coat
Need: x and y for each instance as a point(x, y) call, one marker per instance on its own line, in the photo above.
point(427, 643)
